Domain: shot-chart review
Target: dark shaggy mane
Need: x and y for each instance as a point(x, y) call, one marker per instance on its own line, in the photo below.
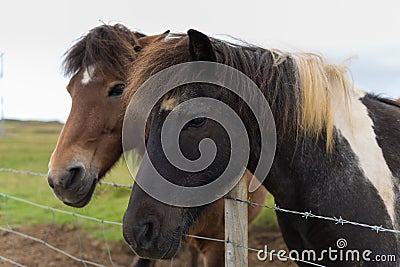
point(276, 80)
point(385, 100)
point(299, 87)
point(109, 47)
point(258, 64)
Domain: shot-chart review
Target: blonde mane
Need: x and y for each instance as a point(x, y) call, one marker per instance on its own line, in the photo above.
point(322, 85)
point(300, 87)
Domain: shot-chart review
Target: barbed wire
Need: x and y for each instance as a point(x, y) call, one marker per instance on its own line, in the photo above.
point(309, 214)
point(6, 196)
point(11, 261)
point(49, 246)
point(306, 215)
point(44, 240)
point(104, 234)
point(253, 249)
point(22, 172)
point(79, 239)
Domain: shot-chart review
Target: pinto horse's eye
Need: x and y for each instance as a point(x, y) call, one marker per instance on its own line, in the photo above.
point(117, 90)
point(197, 122)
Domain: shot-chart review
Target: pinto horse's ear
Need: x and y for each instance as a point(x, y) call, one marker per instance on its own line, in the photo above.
point(200, 46)
point(146, 40)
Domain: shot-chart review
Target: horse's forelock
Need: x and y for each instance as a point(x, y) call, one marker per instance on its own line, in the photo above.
point(109, 47)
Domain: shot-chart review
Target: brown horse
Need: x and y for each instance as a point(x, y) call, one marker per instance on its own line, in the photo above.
point(90, 142)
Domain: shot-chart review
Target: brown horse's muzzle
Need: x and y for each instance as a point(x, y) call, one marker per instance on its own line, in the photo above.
point(73, 185)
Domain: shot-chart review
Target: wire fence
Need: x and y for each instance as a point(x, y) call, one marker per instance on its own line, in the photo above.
point(43, 241)
point(11, 261)
point(306, 215)
point(101, 221)
point(45, 175)
point(309, 214)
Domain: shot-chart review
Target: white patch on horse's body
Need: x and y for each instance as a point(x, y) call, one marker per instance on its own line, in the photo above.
point(359, 132)
point(87, 75)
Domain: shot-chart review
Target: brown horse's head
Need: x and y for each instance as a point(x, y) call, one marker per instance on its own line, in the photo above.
point(90, 142)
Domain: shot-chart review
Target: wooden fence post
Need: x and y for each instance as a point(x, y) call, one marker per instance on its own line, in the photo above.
point(236, 226)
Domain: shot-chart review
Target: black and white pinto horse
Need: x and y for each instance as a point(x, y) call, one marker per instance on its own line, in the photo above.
point(337, 151)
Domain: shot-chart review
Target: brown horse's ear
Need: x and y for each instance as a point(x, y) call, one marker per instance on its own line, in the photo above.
point(200, 46)
point(146, 40)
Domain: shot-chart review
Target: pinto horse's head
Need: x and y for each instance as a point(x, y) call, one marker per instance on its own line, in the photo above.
point(153, 228)
point(90, 141)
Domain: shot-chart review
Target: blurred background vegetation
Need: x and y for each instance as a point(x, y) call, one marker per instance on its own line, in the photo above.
point(27, 146)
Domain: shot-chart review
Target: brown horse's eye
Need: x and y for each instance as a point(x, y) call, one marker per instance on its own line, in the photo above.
point(197, 122)
point(117, 90)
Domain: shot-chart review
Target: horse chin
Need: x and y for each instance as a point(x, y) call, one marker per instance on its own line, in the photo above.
point(85, 199)
point(162, 250)
point(175, 244)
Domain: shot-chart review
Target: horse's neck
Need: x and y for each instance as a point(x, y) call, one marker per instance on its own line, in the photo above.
point(299, 166)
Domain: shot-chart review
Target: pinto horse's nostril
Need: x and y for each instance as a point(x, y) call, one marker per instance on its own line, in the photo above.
point(147, 233)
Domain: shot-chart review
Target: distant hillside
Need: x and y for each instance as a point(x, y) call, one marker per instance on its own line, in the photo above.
point(20, 128)
point(33, 122)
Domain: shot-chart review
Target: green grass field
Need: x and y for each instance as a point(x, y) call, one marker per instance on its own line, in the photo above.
point(28, 146)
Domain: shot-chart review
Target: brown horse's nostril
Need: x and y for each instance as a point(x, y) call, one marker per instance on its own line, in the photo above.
point(50, 181)
point(73, 177)
point(66, 179)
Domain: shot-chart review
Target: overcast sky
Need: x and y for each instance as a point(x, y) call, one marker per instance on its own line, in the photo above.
point(35, 34)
